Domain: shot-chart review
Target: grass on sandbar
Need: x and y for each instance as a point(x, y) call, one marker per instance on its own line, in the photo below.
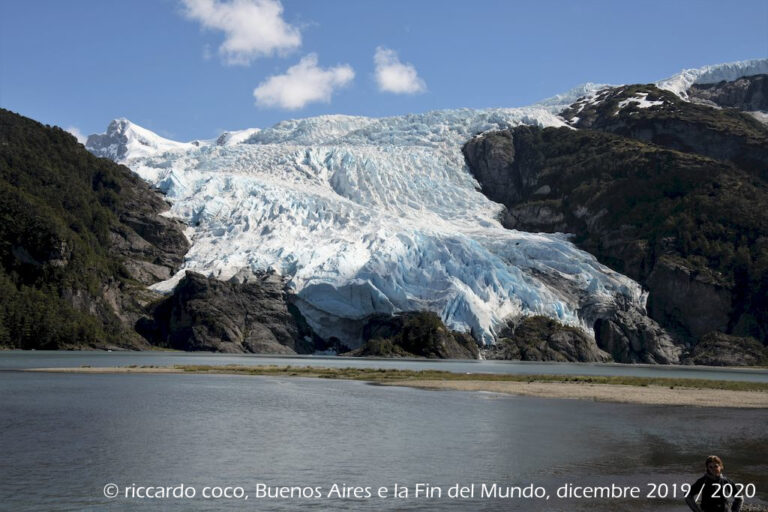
point(387, 375)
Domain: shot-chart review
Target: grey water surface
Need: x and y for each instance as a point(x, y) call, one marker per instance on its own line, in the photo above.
point(18, 359)
point(63, 437)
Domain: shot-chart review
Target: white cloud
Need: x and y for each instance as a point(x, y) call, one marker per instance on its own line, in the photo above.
point(302, 84)
point(394, 76)
point(252, 28)
point(78, 134)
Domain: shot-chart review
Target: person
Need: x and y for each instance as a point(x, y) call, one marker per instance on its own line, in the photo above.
point(710, 487)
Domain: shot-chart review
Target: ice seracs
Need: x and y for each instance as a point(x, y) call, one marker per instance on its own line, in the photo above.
point(235, 137)
point(367, 216)
point(681, 82)
point(364, 215)
point(560, 102)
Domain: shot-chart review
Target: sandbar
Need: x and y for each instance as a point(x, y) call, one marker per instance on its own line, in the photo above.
point(634, 390)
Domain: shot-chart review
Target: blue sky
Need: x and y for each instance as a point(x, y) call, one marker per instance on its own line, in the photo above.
point(189, 69)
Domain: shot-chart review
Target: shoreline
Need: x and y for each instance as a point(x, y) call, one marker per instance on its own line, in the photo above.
point(615, 393)
point(635, 390)
point(300, 357)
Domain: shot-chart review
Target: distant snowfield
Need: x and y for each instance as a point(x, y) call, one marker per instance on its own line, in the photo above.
point(365, 215)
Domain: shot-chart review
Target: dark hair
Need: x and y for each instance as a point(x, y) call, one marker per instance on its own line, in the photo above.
point(714, 458)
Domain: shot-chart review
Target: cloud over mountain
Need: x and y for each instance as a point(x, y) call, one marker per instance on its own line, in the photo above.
point(304, 83)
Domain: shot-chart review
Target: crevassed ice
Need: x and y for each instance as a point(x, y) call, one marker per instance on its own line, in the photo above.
point(560, 102)
point(681, 82)
point(366, 215)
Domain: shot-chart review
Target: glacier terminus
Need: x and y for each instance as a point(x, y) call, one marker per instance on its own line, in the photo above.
point(372, 215)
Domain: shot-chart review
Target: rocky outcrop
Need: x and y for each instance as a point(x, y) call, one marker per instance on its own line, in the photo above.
point(691, 229)
point(414, 334)
point(646, 113)
point(539, 338)
point(630, 337)
point(248, 315)
point(622, 336)
point(152, 246)
point(749, 93)
point(718, 349)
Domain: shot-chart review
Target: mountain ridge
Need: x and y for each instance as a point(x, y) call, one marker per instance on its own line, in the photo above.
point(366, 235)
point(325, 150)
point(668, 192)
point(365, 219)
point(80, 239)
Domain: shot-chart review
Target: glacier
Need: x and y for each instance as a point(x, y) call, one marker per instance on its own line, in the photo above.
point(681, 82)
point(371, 215)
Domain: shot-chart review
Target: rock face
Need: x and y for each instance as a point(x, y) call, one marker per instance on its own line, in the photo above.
point(646, 113)
point(718, 349)
point(691, 229)
point(539, 338)
point(749, 93)
point(80, 238)
point(414, 334)
point(150, 247)
point(684, 298)
point(154, 246)
point(630, 337)
point(624, 337)
point(208, 314)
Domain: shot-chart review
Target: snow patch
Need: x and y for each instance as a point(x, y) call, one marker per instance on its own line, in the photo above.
point(640, 100)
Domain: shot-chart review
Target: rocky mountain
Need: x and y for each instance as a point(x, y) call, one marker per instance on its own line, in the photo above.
point(606, 223)
point(414, 334)
point(80, 238)
point(249, 313)
point(365, 217)
point(647, 113)
point(748, 93)
point(669, 192)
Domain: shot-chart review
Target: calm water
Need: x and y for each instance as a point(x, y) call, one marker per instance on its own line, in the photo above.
point(16, 359)
point(64, 437)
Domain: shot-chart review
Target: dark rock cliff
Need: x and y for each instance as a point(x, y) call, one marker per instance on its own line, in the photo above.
point(691, 228)
point(749, 93)
point(646, 113)
point(539, 338)
point(718, 349)
point(414, 334)
point(252, 315)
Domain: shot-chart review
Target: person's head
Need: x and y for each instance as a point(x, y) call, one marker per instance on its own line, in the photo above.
point(714, 465)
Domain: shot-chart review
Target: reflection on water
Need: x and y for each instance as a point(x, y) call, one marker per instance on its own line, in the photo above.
point(63, 437)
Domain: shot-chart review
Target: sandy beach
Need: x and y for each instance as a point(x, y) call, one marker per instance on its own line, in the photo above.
point(650, 395)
